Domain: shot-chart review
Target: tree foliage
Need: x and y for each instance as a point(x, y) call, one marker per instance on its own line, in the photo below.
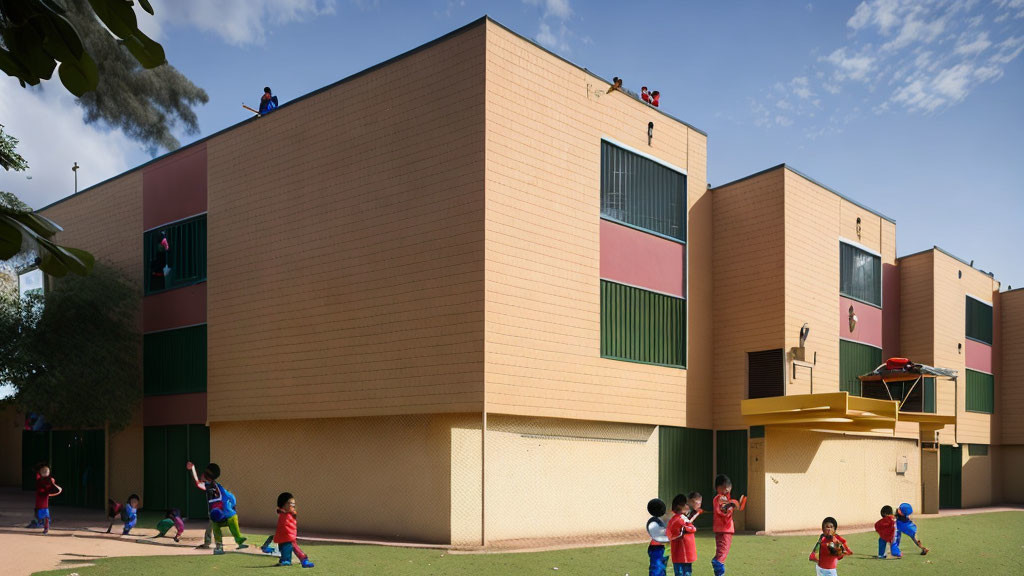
point(22, 230)
point(74, 355)
point(9, 157)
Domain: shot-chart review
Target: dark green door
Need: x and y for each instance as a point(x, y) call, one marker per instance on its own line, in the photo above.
point(731, 451)
point(950, 468)
point(35, 449)
point(167, 483)
point(685, 465)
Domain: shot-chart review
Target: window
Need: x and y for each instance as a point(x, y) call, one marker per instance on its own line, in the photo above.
point(855, 360)
point(979, 321)
point(915, 397)
point(860, 274)
point(643, 193)
point(929, 395)
point(980, 392)
point(174, 362)
point(175, 255)
point(766, 374)
point(642, 326)
point(977, 449)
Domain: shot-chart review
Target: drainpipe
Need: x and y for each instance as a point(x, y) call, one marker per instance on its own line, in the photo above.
point(483, 480)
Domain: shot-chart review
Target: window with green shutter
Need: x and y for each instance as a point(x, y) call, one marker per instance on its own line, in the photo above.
point(856, 359)
point(860, 274)
point(640, 192)
point(175, 255)
point(979, 321)
point(980, 392)
point(642, 326)
point(174, 361)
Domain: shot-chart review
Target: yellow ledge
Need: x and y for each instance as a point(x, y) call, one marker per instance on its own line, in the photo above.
point(834, 411)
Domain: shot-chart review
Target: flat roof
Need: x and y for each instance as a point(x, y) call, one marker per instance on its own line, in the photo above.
point(809, 179)
point(478, 22)
point(953, 256)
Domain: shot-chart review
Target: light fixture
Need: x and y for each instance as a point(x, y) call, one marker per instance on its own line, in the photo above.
point(853, 319)
point(650, 132)
point(858, 228)
point(959, 347)
point(804, 331)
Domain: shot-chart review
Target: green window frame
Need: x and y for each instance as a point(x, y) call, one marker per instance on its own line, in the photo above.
point(642, 326)
point(977, 449)
point(642, 193)
point(929, 395)
point(980, 392)
point(979, 320)
point(174, 361)
point(856, 359)
point(860, 274)
point(183, 264)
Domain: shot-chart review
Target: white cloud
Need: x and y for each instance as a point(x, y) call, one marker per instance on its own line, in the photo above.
point(556, 13)
point(237, 22)
point(801, 88)
point(861, 16)
point(1008, 50)
point(854, 67)
point(953, 82)
point(979, 45)
point(52, 138)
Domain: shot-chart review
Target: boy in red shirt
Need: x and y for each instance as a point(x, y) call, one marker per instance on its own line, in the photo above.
point(46, 486)
point(287, 533)
point(886, 529)
point(832, 547)
point(723, 507)
point(680, 533)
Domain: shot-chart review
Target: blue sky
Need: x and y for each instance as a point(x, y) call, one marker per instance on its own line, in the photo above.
point(912, 108)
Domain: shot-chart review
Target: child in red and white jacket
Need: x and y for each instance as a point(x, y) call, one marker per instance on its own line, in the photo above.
point(681, 533)
point(287, 533)
point(829, 549)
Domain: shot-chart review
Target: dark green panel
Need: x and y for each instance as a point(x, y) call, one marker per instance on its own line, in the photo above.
point(731, 452)
point(154, 468)
point(94, 469)
point(950, 476)
point(929, 395)
point(35, 448)
point(198, 453)
point(977, 449)
point(685, 464)
point(642, 326)
point(980, 392)
point(643, 193)
point(186, 258)
point(174, 362)
point(757, 431)
point(855, 360)
point(860, 274)
point(979, 320)
point(64, 446)
point(177, 456)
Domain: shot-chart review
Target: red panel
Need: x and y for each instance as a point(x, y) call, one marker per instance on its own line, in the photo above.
point(174, 308)
point(174, 409)
point(978, 356)
point(890, 311)
point(174, 188)
point(869, 322)
point(643, 260)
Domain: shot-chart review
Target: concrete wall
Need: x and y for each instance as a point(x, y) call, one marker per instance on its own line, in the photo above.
point(12, 423)
point(550, 478)
point(749, 307)
point(544, 122)
point(346, 246)
point(809, 476)
point(1009, 467)
point(1010, 398)
point(977, 480)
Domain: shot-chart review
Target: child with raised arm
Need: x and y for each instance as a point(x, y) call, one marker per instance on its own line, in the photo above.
point(221, 504)
point(829, 549)
point(723, 507)
point(46, 487)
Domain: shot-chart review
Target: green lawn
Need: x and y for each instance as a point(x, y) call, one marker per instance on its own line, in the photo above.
point(988, 544)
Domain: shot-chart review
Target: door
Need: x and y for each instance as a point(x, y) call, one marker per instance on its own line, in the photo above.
point(950, 467)
point(685, 465)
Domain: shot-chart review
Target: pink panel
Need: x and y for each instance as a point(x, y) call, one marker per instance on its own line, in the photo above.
point(642, 260)
point(174, 409)
point(174, 308)
point(174, 188)
point(869, 322)
point(890, 311)
point(978, 356)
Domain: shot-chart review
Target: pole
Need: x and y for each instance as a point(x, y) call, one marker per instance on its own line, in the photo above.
point(75, 170)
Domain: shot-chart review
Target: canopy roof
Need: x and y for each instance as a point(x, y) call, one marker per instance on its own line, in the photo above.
point(835, 411)
point(914, 372)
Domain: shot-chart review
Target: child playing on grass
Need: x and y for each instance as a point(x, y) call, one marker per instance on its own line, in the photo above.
point(832, 548)
point(681, 533)
point(723, 507)
point(172, 519)
point(46, 487)
point(886, 529)
point(904, 525)
point(129, 514)
point(222, 506)
point(656, 529)
point(287, 533)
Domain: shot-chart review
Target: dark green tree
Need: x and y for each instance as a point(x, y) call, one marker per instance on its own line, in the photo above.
point(24, 231)
point(74, 356)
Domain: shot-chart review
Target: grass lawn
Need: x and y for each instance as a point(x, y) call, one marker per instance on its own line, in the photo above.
point(987, 544)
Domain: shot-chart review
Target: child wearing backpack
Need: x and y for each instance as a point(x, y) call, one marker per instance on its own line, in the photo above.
point(222, 506)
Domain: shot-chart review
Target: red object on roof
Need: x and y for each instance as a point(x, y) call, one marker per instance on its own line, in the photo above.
point(898, 364)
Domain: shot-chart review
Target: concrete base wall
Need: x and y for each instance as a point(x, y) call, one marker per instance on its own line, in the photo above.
point(811, 475)
point(976, 480)
point(1010, 467)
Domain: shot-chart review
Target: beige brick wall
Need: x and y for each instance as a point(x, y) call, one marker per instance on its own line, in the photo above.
point(748, 284)
point(1009, 466)
point(1010, 399)
point(917, 325)
point(124, 461)
point(552, 478)
point(545, 120)
point(809, 476)
point(977, 480)
point(345, 247)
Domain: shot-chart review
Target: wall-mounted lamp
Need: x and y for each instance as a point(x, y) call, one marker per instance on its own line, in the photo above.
point(804, 331)
point(853, 319)
point(959, 273)
point(858, 228)
point(650, 132)
point(959, 347)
